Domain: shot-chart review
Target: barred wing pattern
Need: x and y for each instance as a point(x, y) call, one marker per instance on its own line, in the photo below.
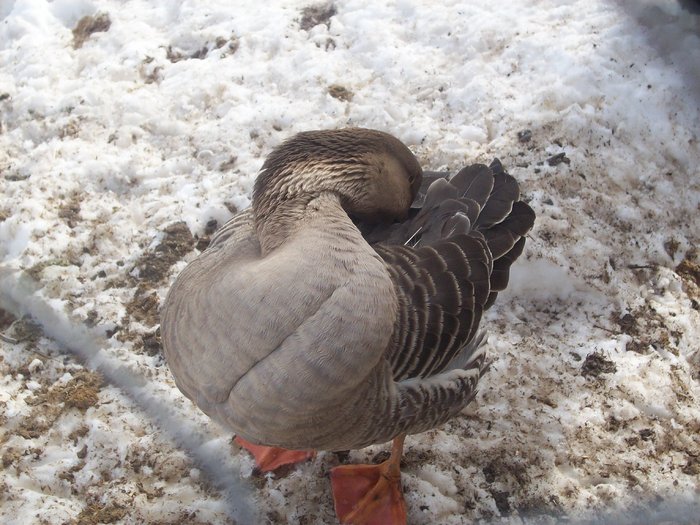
point(448, 263)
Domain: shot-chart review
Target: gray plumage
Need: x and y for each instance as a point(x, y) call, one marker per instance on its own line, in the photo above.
point(342, 309)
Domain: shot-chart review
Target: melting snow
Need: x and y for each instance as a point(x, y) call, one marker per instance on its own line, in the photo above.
point(126, 138)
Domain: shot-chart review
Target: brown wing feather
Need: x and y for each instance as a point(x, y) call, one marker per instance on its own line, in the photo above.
point(461, 244)
point(442, 290)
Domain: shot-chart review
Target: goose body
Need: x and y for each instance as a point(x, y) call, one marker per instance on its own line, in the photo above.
point(332, 314)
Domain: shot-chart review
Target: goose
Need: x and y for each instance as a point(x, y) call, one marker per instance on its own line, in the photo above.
point(342, 308)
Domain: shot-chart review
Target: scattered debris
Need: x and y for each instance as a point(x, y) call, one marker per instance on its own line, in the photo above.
point(692, 466)
point(16, 176)
point(340, 92)
point(35, 271)
point(228, 164)
point(175, 55)
point(96, 513)
point(154, 265)
point(70, 211)
point(26, 330)
point(689, 270)
point(638, 347)
point(501, 499)
point(6, 320)
point(143, 307)
point(205, 239)
point(150, 74)
point(8, 339)
point(627, 323)
point(312, 16)
point(557, 159)
point(233, 44)
point(524, 136)
point(80, 392)
point(646, 434)
point(231, 207)
point(152, 344)
point(671, 246)
point(597, 364)
point(89, 25)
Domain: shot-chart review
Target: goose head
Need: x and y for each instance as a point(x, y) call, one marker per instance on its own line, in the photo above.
point(373, 174)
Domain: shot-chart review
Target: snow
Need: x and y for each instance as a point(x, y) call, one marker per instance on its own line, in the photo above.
point(591, 411)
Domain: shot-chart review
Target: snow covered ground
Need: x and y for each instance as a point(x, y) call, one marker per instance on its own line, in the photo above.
point(127, 138)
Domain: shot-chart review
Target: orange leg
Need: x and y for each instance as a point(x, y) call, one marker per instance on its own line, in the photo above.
point(370, 494)
point(271, 458)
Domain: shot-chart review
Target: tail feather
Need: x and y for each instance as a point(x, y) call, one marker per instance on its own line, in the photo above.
point(474, 182)
point(500, 203)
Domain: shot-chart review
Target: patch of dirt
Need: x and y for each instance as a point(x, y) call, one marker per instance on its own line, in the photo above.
point(314, 15)
point(190, 517)
point(648, 329)
point(17, 177)
point(175, 55)
point(204, 240)
point(78, 433)
point(508, 478)
point(150, 74)
point(26, 330)
point(35, 271)
point(95, 513)
point(80, 392)
point(638, 347)
point(689, 271)
point(500, 497)
point(6, 319)
point(671, 246)
point(70, 211)
point(39, 421)
point(154, 265)
point(69, 473)
point(627, 323)
point(524, 136)
point(232, 44)
point(597, 364)
point(10, 457)
point(166, 465)
point(540, 506)
point(340, 92)
point(144, 306)
point(228, 164)
point(692, 466)
point(646, 434)
point(71, 129)
point(89, 25)
point(152, 343)
point(510, 472)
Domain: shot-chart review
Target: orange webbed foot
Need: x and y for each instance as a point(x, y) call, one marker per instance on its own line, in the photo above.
point(370, 494)
point(268, 459)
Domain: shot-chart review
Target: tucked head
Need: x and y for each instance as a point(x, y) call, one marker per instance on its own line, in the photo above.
point(374, 173)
